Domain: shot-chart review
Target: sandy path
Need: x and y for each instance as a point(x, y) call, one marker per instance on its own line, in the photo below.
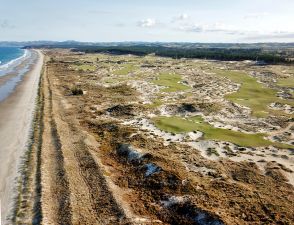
point(16, 114)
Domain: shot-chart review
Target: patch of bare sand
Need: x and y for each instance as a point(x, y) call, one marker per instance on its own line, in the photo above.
point(16, 113)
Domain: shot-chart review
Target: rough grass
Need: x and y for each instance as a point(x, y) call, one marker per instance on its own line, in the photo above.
point(171, 81)
point(251, 93)
point(116, 80)
point(180, 125)
point(156, 103)
point(212, 151)
point(85, 67)
point(286, 82)
point(127, 68)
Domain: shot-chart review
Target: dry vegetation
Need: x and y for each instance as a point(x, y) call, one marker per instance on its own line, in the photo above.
point(105, 158)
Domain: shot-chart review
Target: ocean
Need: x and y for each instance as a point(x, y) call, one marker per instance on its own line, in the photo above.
point(7, 54)
point(15, 63)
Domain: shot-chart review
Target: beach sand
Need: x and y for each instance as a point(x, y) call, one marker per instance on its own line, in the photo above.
point(16, 115)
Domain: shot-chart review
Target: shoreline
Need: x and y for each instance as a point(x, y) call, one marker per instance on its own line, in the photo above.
point(11, 62)
point(14, 76)
point(16, 117)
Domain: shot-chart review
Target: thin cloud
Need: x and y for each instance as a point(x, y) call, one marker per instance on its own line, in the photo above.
point(256, 15)
point(210, 28)
point(101, 12)
point(181, 17)
point(5, 24)
point(147, 23)
point(230, 30)
point(273, 35)
point(120, 25)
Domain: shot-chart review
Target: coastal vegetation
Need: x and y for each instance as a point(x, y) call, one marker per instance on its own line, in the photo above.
point(181, 52)
point(286, 82)
point(252, 93)
point(125, 70)
point(160, 125)
point(76, 91)
point(182, 125)
point(85, 67)
point(171, 81)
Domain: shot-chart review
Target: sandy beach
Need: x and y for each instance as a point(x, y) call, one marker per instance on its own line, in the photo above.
point(16, 114)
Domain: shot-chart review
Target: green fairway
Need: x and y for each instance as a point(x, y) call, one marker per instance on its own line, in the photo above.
point(181, 125)
point(171, 81)
point(127, 68)
point(251, 93)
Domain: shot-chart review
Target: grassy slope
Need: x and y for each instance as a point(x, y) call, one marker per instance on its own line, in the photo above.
point(252, 94)
point(171, 81)
point(127, 68)
point(286, 82)
point(115, 80)
point(180, 125)
point(85, 67)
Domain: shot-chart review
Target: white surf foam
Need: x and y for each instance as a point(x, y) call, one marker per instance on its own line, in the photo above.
point(14, 61)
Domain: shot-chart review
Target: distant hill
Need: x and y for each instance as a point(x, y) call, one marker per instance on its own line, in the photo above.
point(74, 44)
point(265, 52)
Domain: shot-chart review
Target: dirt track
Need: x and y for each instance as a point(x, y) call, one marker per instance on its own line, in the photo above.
point(75, 187)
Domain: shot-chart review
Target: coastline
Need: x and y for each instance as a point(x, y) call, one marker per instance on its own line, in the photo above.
point(15, 74)
point(16, 115)
point(16, 60)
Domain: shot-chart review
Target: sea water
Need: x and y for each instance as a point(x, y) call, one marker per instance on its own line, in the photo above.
point(9, 54)
point(11, 58)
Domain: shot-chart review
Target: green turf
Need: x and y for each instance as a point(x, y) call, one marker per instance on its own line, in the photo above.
point(127, 68)
point(181, 125)
point(85, 67)
point(286, 82)
point(90, 58)
point(171, 82)
point(251, 93)
point(156, 103)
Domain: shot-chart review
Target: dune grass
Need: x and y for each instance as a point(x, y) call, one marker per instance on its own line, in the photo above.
point(286, 82)
point(171, 82)
point(85, 67)
point(251, 93)
point(127, 68)
point(156, 103)
point(181, 125)
point(115, 80)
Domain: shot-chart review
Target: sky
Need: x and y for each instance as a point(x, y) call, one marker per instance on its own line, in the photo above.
point(149, 20)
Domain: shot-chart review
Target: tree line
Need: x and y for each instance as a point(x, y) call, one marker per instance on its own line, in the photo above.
point(225, 54)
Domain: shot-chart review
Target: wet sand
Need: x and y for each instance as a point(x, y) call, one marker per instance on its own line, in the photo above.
point(16, 114)
point(5, 78)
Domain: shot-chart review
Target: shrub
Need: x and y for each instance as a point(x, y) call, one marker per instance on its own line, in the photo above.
point(76, 91)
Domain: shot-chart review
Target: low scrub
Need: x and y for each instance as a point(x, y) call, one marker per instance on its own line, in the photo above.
point(76, 91)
